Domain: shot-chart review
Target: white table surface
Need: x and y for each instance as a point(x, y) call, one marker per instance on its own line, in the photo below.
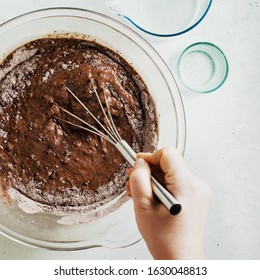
point(223, 144)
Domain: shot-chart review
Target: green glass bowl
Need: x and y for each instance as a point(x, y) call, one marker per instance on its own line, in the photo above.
point(203, 67)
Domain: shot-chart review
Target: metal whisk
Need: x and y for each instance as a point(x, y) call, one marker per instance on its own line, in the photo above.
point(112, 136)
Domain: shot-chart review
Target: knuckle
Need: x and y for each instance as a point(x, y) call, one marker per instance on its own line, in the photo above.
point(169, 150)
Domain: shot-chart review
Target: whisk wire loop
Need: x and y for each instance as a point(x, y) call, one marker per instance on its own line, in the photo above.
point(100, 134)
point(92, 115)
point(114, 129)
point(111, 126)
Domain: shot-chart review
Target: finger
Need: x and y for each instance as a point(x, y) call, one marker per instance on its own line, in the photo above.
point(140, 184)
point(168, 159)
point(173, 167)
point(128, 191)
point(129, 172)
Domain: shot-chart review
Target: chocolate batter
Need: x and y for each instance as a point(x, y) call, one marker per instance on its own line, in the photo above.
point(50, 161)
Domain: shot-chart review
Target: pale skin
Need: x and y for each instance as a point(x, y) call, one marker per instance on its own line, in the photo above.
point(167, 236)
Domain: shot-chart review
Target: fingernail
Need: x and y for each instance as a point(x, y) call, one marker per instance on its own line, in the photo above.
point(139, 162)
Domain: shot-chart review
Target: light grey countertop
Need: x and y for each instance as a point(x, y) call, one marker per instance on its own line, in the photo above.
point(223, 131)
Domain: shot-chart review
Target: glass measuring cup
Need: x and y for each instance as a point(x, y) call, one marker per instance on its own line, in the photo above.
point(162, 18)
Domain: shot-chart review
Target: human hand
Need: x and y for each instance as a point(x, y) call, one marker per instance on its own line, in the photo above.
point(167, 236)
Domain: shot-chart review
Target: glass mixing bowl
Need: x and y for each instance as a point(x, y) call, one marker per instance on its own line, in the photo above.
point(117, 229)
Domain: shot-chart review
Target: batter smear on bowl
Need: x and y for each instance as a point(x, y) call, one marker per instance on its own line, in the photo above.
point(52, 163)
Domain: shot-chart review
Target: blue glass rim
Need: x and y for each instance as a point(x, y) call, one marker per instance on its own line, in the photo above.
point(173, 34)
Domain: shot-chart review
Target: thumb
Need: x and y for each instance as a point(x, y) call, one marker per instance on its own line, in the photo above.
point(140, 184)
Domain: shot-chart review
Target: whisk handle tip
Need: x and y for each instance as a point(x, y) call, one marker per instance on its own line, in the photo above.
point(175, 209)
